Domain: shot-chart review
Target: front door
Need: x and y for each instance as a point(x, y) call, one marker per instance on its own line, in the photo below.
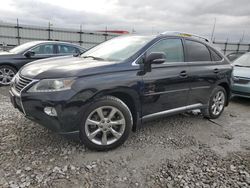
point(42, 51)
point(166, 87)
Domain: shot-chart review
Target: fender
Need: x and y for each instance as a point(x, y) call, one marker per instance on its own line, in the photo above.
point(121, 92)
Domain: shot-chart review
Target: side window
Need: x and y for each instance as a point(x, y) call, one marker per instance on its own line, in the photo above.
point(64, 49)
point(44, 49)
point(215, 56)
point(172, 48)
point(197, 51)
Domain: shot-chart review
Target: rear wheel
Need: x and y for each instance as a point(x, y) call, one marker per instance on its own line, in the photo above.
point(106, 124)
point(216, 103)
point(6, 74)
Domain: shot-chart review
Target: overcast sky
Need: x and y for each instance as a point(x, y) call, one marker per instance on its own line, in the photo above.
point(144, 16)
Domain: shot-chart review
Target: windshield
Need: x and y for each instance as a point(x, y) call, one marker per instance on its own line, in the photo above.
point(118, 49)
point(243, 60)
point(22, 48)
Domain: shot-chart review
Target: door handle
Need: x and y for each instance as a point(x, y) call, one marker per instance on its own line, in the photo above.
point(183, 74)
point(216, 71)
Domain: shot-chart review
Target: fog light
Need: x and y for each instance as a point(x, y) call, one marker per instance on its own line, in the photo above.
point(51, 111)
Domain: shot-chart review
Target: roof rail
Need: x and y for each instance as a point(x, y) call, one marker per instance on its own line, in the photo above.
point(184, 34)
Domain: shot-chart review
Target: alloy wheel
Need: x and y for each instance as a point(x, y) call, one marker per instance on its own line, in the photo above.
point(6, 75)
point(105, 125)
point(218, 103)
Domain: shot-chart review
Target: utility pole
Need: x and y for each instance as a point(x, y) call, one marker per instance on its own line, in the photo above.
point(133, 30)
point(212, 35)
point(80, 41)
point(243, 36)
point(106, 33)
point(225, 49)
point(18, 31)
point(49, 29)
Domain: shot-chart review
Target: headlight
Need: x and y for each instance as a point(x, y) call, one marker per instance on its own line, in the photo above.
point(50, 85)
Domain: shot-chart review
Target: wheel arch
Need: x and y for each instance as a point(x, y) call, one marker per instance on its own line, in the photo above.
point(226, 86)
point(9, 64)
point(130, 98)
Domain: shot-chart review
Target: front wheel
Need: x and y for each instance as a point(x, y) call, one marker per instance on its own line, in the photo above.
point(216, 103)
point(106, 124)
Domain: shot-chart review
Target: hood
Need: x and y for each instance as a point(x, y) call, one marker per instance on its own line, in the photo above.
point(4, 54)
point(62, 67)
point(241, 72)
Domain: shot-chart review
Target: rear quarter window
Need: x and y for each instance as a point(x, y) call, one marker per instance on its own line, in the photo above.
point(214, 55)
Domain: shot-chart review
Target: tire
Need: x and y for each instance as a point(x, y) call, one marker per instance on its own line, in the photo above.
point(106, 124)
point(6, 74)
point(210, 112)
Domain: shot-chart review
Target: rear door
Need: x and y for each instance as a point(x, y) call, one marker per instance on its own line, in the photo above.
point(63, 50)
point(203, 71)
point(166, 86)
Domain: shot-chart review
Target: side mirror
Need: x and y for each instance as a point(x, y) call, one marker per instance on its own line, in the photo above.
point(155, 58)
point(77, 54)
point(29, 54)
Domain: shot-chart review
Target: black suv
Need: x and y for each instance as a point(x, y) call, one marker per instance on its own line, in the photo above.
point(13, 60)
point(114, 87)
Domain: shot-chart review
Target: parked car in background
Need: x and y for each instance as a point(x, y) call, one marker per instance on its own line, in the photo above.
point(234, 55)
point(13, 60)
point(241, 76)
point(112, 88)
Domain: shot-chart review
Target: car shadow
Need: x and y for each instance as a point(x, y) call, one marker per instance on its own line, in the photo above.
point(241, 100)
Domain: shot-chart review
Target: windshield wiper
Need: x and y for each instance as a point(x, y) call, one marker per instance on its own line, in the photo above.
point(93, 57)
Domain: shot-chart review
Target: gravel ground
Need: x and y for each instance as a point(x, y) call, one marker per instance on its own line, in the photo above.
point(179, 151)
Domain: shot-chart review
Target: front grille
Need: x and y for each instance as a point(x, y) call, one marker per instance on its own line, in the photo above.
point(21, 82)
point(241, 80)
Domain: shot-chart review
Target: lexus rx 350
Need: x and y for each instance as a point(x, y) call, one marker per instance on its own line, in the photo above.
point(114, 87)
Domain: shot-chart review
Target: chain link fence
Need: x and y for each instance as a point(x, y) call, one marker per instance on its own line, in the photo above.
point(229, 47)
point(12, 35)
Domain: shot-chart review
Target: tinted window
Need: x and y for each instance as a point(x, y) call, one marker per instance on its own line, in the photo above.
point(44, 49)
point(172, 48)
point(197, 51)
point(64, 49)
point(215, 56)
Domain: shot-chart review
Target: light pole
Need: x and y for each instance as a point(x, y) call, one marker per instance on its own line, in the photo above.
point(49, 29)
point(212, 35)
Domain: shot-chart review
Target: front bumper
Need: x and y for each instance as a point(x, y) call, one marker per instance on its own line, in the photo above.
point(68, 105)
